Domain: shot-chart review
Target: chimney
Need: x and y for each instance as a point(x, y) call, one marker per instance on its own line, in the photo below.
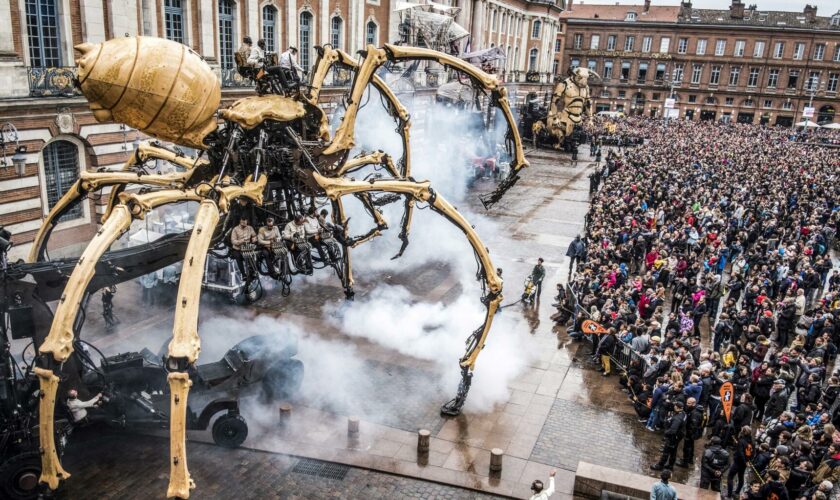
point(811, 13)
point(736, 10)
point(647, 6)
point(569, 5)
point(685, 9)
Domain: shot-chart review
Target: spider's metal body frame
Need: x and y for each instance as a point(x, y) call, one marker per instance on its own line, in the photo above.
point(254, 124)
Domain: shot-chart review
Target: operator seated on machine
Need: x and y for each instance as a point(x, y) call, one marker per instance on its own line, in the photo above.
point(268, 238)
point(295, 235)
point(241, 234)
point(331, 234)
point(312, 227)
point(290, 70)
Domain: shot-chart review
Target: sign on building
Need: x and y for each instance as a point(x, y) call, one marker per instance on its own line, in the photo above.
point(669, 103)
point(808, 112)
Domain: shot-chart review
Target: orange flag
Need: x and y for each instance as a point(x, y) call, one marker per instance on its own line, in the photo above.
point(590, 327)
point(727, 394)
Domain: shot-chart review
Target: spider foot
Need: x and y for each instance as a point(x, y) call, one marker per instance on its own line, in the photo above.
point(453, 407)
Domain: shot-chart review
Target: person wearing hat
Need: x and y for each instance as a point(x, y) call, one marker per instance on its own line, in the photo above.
point(289, 65)
point(538, 275)
point(714, 464)
point(778, 401)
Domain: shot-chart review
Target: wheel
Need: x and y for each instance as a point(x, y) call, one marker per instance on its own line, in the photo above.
point(283, 380)
point(250, 293)
point(230, 430)
point(19, 476)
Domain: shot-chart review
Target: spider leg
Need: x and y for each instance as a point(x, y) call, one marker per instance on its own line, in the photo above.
point(486, 274)
point(186, 344)
point(340, 219)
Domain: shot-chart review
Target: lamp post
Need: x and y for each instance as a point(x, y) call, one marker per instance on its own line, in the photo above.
point(813, 86)
point(9, 133)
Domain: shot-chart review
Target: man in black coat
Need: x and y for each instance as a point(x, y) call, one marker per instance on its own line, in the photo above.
point(575, 252)
point(778, 400)
point(714, 464)
point(674, 432)
point(693, 431)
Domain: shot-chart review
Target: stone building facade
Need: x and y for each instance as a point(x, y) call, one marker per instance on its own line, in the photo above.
point(742, 64)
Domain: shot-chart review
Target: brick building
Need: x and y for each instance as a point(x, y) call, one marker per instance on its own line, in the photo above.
point(742, 64)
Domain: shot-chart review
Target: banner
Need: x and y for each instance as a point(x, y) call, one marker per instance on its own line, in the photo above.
point(727, 394)
point(591, 327)
point(808, 112)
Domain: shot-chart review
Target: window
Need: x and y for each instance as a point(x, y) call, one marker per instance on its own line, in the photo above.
point(660, 72)
point(305, 38)
point(787, 105)
point(748, 103)
point(692, 99)
point(557, 45)
point(574, 63)
point(532, 59)
point(798, 50)
point(578, 41)
point(819, 51)
point(625, 70)
point(646, 43)
point(493, 20)
point(740, 45)
point(729, 101)
point(835, 19)
point(696, 71)
point(714, 78)
point(682, 46)
point(720, 47)
point(664, 45)
point(502, 23)
point(793, 78)
point(591, 64)
point(269, 33)
point(642, 75)
point(773, 78)
point(628, 43)
point(836, 57)
point(813, 80)
point(758, 50)
point(678, 72)
point(43, 33)
point(631, 16)
point(535, 31)
point(595, 42)
point(701, 47)
point(226, 33)
point(768, 103)
point(734, 75)
point(752, 81)
point(611, 42)
point(173, 20)
point(831, 86)
point(779, 50)
point(61, 170)
point(608, 65)
point(555, 66)
point(371, 33)
point(622, 94)
point(335, 32)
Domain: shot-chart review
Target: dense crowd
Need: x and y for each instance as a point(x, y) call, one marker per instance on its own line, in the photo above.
point(708, 251)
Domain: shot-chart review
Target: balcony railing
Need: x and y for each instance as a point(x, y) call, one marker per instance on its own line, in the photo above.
point(52, 82)
point(232, 79)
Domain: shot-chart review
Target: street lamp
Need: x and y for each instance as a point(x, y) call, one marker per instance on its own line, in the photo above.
point(9, 133)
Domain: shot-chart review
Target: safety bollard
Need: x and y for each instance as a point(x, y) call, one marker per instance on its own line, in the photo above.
point(285, 411)
point(423, 440)
point(496, 459)
point(353, 427)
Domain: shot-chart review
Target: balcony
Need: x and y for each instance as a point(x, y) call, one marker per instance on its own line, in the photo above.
point(232, 79)
point(52, 82)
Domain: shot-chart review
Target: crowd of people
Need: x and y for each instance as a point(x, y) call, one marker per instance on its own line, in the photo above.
point(707, 250)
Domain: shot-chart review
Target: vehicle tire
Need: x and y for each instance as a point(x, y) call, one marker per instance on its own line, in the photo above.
point(19, 476)
point(250, 294)
point(283, 380)
point(230, 430)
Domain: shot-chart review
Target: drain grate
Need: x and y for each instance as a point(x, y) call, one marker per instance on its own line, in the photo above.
point(318, 468)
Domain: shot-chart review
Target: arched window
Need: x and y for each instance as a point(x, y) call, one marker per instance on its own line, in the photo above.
point(305, 39)
point(335, 32)
point(227, 33)
point(43, 33)
point(269, 34)
point(61, 170)
point(535, 31)
point(532, 59)
point(173, 20)
point(371, 33)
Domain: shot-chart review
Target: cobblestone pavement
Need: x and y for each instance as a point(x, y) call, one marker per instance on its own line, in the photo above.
point(137, 469)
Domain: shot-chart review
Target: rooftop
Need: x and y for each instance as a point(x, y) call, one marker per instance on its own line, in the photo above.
point(655, 13)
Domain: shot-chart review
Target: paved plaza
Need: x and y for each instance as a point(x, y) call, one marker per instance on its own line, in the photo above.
point(541, 400)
